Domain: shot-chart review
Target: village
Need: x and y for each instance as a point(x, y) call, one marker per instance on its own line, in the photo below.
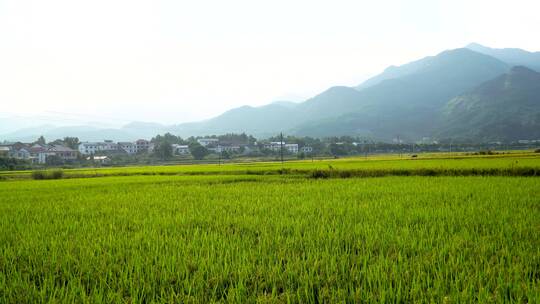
point(167, 148)
point(60, 152)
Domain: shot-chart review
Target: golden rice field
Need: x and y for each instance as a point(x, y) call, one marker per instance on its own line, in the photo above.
point(272, 233)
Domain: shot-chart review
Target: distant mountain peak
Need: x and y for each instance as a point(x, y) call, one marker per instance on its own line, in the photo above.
point(511, 56)
point(519, 69)
point(474, 45)
point(504, 108)
point(481, 48)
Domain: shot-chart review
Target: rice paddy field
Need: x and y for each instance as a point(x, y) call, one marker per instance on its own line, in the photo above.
point(434, 229)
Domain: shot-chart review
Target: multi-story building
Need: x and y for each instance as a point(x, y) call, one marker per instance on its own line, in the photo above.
point(143, 145)
point(88, 148)
point(276, 146)
point(128, 147)
point(65, 153)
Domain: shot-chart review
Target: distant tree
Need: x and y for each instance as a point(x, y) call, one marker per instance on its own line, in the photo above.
point(163, 150)
point(225, 155)
point(41, 141)
point(72, 142)
point(338, 149)
point(57, 142)
point(12, 164)
point(236, 139)
point(198, 151)
point(169, 138)
point(54, 160)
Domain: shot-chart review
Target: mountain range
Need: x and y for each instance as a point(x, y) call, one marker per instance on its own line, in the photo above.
point(472, 93)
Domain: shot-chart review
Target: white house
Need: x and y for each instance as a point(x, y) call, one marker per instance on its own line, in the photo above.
point(293, 148)
point(21, 153)
point(276, 146)
point(207, 141)
point(231, 149)
point(65, 153)
point(42, 156)
point(180, 149)
point(109, 145)
point(89, 148)
point(99, 159)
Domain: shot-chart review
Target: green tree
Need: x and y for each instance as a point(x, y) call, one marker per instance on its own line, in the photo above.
point(41, 141)
point(54, 160)
point(168, 137)
point(338, 149)
point(57, 142)
point(72, 142)
point(198, 151)
point(225, 155)
point(163, 150)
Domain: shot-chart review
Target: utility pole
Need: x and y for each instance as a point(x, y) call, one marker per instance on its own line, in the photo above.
point(281, 146)
point(367, 148)
point(399, 145)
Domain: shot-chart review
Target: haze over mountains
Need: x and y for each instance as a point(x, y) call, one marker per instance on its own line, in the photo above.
point(473, 93)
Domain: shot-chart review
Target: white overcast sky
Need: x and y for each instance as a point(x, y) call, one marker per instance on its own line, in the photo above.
point(174, 61)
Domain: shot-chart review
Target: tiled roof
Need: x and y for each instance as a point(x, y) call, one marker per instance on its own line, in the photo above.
point(58, 148)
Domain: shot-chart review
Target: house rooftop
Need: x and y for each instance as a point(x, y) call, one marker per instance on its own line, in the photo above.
point(59, 148)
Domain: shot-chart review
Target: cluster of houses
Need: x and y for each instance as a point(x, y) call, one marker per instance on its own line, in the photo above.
point(37, 153)
point(213, 144)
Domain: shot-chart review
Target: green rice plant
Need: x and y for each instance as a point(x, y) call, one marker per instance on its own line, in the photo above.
point(271, 238)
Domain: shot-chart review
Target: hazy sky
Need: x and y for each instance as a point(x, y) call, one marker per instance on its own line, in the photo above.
point(174, 61)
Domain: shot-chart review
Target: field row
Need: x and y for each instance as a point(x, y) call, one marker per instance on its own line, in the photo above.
point(516, 164)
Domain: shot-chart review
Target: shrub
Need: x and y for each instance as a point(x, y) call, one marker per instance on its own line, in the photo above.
point(319, 174)
point(345, 174)
point(486, 152)
point(38, 175)
point(55, 174)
